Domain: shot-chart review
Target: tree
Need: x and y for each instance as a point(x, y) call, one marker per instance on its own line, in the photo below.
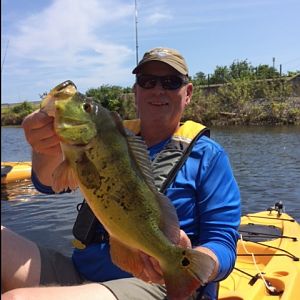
point(220, 75)
point(241, 69)
point(109, 96)
point(266, 72)
point(200, 78)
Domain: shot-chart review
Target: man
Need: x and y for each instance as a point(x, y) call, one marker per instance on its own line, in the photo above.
point(203, 191)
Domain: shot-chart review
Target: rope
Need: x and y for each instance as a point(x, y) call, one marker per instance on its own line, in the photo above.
point(267, 284)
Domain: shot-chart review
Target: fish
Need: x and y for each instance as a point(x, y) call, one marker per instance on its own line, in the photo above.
point(112, 168)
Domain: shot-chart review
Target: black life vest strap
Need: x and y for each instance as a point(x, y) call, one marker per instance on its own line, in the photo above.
point(182, 157)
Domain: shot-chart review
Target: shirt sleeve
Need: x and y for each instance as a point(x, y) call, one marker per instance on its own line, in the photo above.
point(219, 205)
point(39, 186)
point(45, 189)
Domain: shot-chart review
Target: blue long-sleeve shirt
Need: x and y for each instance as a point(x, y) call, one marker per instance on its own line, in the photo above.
point(207, 200)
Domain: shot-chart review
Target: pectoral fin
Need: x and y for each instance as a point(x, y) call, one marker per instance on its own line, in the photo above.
point(126, 258)
point(64, 178)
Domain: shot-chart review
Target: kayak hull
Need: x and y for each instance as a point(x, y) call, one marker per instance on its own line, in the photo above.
point(15, 171)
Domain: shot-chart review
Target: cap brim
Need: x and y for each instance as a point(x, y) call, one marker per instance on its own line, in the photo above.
point(171, 63)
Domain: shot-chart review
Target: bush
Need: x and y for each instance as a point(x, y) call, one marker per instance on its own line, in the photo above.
point(14, 115)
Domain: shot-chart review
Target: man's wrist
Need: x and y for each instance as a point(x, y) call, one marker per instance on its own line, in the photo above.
point(215, 259)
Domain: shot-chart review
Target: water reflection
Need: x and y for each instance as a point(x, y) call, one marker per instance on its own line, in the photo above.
point(18, 191)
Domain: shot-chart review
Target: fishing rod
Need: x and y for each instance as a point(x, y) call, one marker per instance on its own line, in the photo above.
point(4, 56)
point(136, 33)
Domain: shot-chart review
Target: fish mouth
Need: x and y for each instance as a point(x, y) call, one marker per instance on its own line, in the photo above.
point(70, 125)
point(69, 122)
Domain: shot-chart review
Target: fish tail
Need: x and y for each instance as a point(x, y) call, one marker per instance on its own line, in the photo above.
point(189, 271)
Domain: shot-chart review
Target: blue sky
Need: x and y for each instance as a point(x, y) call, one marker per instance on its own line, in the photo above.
point(93, 42)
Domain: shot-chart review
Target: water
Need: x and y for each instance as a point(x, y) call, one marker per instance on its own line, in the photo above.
point(46, 219)
point(265, 161)
point(266, 164)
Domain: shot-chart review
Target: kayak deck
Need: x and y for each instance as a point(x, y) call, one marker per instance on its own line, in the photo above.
point(267, 265)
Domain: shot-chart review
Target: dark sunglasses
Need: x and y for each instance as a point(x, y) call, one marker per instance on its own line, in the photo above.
point(169, 82)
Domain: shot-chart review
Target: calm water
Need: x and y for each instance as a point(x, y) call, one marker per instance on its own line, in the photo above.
point(266, 163)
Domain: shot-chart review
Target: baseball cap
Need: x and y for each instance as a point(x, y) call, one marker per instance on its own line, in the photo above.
point(167, 55)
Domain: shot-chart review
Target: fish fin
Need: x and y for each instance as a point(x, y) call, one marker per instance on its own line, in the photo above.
point(64, 178)
point(119, 123)
point(192, 270)
point(125, 257)
point(138, 149)
point(139, 153)
point(169, 223)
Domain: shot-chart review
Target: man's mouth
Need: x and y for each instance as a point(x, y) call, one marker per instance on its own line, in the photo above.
point(158, 103)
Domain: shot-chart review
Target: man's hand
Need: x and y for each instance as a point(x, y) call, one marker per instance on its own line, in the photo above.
point(40, 134)
point(152, 271)
point(47, 153)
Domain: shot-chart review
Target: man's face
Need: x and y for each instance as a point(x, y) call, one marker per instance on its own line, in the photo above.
point(159, 106)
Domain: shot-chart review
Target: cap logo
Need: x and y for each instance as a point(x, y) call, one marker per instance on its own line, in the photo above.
point(160, 53)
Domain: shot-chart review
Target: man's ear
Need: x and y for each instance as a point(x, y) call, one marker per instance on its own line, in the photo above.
point(189, 93)
point(134, 91)
point(134, 88)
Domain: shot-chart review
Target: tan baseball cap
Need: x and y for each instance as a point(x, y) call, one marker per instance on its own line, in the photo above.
point(167, 55)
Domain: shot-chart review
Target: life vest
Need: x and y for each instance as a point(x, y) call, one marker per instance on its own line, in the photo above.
point(165, 166)
point(171, 158)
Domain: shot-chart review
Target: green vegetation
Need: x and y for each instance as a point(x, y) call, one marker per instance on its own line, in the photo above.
point(115, 98)
point(238, 70)
point(246, 102)
point(244, 95)
point(239, 94)
point(14, 115)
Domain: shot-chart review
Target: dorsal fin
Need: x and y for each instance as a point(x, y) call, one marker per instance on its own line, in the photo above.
point(137, 148)
point(169, 221)
point(139, 153)
point(118, 121)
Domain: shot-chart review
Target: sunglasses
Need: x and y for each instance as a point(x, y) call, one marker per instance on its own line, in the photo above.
point(169, 82)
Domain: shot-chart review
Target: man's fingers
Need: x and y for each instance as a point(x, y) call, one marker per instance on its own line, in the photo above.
point(184, 242)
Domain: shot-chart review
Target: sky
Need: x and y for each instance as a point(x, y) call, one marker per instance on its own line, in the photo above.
point(94, 42)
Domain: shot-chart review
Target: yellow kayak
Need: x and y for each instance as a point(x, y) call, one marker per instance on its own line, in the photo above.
point(267, 265)
point(15, 171)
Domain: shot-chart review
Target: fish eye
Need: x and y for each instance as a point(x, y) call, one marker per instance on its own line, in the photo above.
point(87, 107)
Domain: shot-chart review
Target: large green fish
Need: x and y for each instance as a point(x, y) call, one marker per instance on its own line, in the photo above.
point(112, 169)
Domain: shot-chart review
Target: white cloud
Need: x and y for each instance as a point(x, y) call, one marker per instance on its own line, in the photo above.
point(158, 17)
point(70, 38)
point(69, 26)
